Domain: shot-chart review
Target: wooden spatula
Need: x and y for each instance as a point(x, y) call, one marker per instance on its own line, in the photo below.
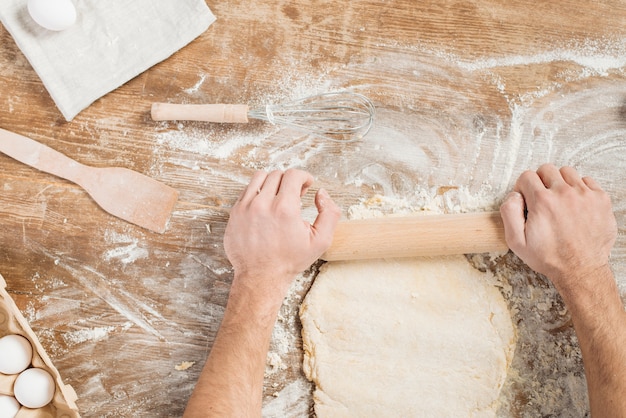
point(124, 193)
point(411, 236)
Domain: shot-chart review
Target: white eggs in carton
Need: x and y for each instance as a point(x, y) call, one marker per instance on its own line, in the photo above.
point(30, 385)
point(9, 406)
point(16, 354)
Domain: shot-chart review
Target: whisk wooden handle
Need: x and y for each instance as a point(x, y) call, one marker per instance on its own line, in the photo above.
point(220, 113)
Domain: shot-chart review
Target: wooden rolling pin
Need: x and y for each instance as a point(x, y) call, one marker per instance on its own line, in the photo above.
point(427, 235)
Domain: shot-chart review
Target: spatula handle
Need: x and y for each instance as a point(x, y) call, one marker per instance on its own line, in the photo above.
point(39, 156)
point(220, 113)
point(427, 235)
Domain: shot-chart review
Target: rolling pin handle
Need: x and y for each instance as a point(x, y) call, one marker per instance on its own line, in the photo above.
point(414, 236)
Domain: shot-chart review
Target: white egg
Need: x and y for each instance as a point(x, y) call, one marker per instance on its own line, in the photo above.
point(8, 406)
point(16, 354)
point(54, 15)
point(34, 388)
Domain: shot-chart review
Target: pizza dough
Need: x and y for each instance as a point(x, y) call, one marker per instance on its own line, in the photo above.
point(427, 337)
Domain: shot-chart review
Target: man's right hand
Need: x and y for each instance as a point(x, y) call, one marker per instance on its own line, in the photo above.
point(560, 225)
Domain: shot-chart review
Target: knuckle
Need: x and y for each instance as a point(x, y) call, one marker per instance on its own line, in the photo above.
point(284, 208)
point(543, 198)
point(290, 171)
point(527, 175)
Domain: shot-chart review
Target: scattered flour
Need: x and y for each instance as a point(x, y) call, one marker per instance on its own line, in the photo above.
point(73, 338)
point(128, 252)
point(292, 401)
point(197, 86)
point(598, 57)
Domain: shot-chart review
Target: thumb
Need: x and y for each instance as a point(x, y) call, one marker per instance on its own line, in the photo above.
point(514, 220)
point(326, 221)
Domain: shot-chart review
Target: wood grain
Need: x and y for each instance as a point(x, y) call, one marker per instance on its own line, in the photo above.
point(468, 95)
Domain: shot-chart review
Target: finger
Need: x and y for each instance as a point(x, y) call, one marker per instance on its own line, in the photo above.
point(295, 183)
point(512, 211)
point(326, 221)
point(253, 188)
point(571, 176)
point(527, 184)
point(271, 184)
point(550, 176)
point(592, 184)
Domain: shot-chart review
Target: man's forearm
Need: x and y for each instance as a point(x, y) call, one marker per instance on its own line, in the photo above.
point(600, 322)
point(231, 383)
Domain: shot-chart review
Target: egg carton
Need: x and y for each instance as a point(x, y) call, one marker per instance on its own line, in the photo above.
point(12, 321)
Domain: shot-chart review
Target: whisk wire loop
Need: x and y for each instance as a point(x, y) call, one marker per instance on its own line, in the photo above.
point(340, 116)
point(269, 113)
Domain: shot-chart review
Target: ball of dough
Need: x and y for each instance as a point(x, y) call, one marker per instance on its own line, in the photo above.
point(16, 354)
point(34, 388)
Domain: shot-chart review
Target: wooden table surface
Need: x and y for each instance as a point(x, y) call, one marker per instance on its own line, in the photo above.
point(468, 95)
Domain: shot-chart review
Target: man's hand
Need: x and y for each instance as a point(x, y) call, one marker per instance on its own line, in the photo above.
point(266, 238)
point(560, 224)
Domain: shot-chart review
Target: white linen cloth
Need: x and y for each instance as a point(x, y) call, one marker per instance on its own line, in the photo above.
point(111, 42)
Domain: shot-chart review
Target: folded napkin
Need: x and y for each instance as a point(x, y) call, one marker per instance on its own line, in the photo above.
point(111, 42)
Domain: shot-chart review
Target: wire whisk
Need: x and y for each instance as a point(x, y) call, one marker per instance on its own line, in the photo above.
point(342, 116)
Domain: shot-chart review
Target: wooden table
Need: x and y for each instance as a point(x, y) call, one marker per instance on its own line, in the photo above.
point(468, 95)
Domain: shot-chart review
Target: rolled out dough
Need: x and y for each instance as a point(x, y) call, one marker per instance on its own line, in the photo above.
point(406, 338)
